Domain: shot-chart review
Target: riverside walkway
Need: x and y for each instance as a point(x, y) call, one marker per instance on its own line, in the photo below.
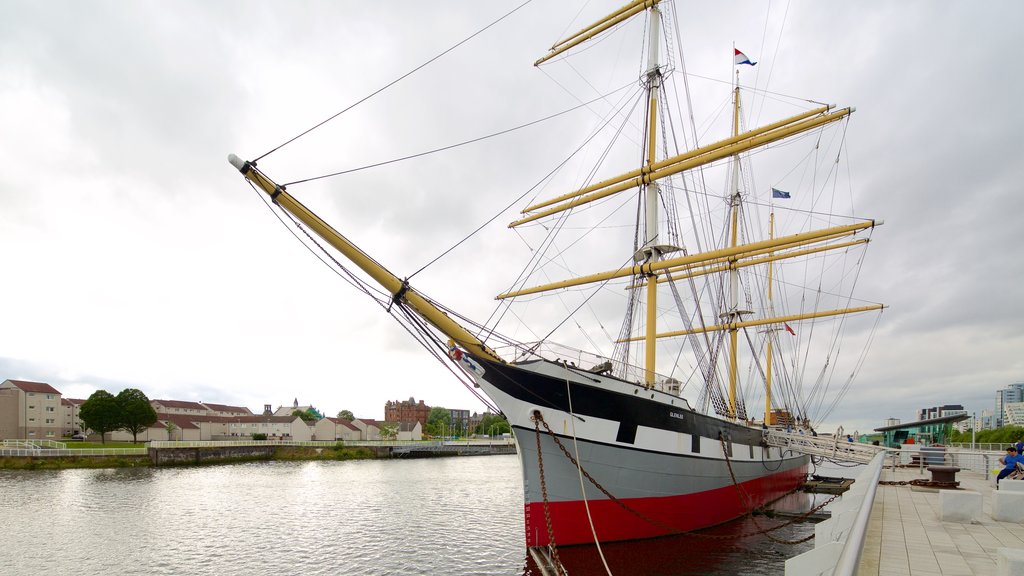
point(906, 534)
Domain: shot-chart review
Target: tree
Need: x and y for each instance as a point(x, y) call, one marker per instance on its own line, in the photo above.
point(439, 421)
point(492, 424)
point(305, 415)
point(171, 427)
point(101, 413)
point(346, 415)
point(137, 414)
point(388, 430)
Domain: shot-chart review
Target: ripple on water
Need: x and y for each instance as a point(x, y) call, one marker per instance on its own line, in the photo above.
point(372, 517)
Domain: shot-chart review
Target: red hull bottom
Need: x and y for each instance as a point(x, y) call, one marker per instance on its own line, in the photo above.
point(683, 513)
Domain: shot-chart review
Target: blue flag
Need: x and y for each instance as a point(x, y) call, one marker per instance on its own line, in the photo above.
point(776, 193)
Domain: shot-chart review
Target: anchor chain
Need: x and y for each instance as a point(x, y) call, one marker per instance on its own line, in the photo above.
point(544, 494)
point(538, 420)
point(919, 482)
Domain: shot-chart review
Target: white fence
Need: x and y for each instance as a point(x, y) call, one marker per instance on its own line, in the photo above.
point(63, 453)
point(839, 541)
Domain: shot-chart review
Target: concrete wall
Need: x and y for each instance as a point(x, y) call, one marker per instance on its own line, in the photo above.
point(171, 456)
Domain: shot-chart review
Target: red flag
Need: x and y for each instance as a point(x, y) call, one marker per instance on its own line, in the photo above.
point(788, 329)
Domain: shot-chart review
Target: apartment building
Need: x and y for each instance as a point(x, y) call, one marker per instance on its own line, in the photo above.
point(72, 423)
point(30, 410)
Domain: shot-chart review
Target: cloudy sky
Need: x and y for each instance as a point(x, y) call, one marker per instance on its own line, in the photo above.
point(134, 255)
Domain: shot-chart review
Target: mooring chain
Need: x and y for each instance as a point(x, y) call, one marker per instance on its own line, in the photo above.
point(538, 419)
point(547, 511)
point(745, 497)
point(919, 482)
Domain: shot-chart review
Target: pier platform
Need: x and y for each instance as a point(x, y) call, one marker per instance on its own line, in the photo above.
point(906, 534)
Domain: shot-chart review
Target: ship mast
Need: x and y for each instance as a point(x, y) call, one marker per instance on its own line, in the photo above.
point(772, 330)
point(650, 248)
point(733, 313)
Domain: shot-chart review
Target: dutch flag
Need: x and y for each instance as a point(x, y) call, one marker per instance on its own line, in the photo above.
point(741, 58)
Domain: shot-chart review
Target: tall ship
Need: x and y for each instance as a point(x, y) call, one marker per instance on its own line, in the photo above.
point(722, 294)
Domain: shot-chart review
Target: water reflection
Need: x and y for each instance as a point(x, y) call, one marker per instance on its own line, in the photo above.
point(439, 516)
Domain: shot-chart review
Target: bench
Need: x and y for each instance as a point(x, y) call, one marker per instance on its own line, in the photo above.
point(960, 506)
point(1010, 561)
point(1008, 506)
point(1010, 485)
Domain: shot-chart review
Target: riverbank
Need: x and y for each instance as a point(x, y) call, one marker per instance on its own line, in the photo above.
point(187, 457)
point(207, 453)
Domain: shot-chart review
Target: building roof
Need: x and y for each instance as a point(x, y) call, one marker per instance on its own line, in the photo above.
point(940, 420)
point(343, 422)
point(182, 421)
point(256, 418)
point(180, 404)
point(75, 401)
point(38, 387)
point(226, 408)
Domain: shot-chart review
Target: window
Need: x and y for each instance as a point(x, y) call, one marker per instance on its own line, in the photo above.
point(31, 419)
point(49, 396)
point(31, 407)
point(49, 408)
point(50, 433)
point(31, 393)
point(49, 420)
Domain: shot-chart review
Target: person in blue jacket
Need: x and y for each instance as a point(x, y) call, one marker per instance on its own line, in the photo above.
point(1009, 463)
point(1020, 448)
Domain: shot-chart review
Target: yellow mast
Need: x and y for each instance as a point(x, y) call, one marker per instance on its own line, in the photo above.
point(704, 257)
point(651, 198)
point(734, 312)
point(771, 332)
point(683, 163)
point(399, 290)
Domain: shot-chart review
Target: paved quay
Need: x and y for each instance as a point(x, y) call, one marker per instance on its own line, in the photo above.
point(906, 534)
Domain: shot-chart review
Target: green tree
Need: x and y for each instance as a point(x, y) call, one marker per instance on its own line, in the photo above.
point(101, 413)
point(492, 424)
point(439, 421)
point(137, 414)
point(305, 415)
point(171, 427)
point(346, 415)
point(388, 430)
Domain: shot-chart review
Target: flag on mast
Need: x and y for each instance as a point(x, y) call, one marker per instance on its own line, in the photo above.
point(788, 329)
point(741, 58)
point(776, 193)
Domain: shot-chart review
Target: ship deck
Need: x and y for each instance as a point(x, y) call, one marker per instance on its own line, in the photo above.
point(906, 535)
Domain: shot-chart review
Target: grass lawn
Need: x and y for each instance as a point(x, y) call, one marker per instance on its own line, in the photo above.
point(74, 444)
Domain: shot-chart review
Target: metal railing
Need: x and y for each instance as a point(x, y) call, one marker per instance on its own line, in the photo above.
point(326, 443)
point(66, 452)
point(827, 446)
point(31, 444)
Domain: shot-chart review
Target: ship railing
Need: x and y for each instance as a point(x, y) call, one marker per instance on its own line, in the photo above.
point(824, 446)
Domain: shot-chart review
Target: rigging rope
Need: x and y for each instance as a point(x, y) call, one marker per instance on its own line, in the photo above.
point(393, 82)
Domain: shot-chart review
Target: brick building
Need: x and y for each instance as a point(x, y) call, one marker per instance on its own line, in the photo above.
point(406, 411)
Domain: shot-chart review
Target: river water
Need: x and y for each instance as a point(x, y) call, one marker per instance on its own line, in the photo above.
point(433, 516)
